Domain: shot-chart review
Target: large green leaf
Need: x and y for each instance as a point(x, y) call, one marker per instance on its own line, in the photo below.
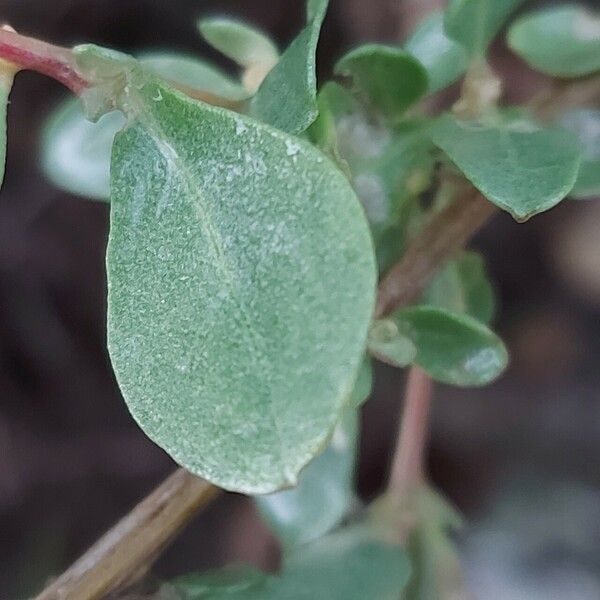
point(453, 348)
point(352, 564)
point(463, 286)
point(287, 98)
point(475, 23)
point(324, 493)
point(7, 74)
point(76, 152)
point(391, 78)
point(563, 41)
point(444, 59)
point(242, 43)
point(241, 284)
point(585, 124)
point(518, 166)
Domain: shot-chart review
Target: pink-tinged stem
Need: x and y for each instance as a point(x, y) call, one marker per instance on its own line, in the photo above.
point(408, 466)
point(35, 55)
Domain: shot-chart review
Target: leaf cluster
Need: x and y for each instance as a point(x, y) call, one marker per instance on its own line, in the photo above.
point(250, 218)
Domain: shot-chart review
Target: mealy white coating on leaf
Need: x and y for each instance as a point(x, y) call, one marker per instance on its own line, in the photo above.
point(241, 284)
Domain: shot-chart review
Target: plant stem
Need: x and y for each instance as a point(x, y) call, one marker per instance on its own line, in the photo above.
point(59, 64)
point(447, 232)
point(53, 61)
point(134, 541)
point(408, 469)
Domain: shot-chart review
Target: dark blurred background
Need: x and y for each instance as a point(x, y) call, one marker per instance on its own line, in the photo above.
point(519, 458)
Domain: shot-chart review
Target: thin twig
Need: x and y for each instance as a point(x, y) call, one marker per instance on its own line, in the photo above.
point(408, 463)
point(134, 541)
point(47, 59)
point(447, 232)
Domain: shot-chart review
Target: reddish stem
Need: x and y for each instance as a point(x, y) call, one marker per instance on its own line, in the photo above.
point(408, 468)
point(35, 55)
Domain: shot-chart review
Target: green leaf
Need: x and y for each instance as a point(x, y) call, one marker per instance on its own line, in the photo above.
point(241, 285)
point(585, 124)
point(76, 152)
point(463, 286)
point(7, 74)
point(444, 59)
point(193, 72)
point(388, 168)
point(453, 348)
point(436, 565)
point(237, 581)
point(475, 23)
point(324, 493)
point(334, 102)
point(351, 564)
point(518, 166)
point(388, 344)
point(563, 41)
point(287, 98)
point(242, 43)
point(392, 79)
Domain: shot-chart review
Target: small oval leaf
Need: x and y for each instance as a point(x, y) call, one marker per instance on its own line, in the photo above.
point(391, 78)
point(287, 98)
point(518, 166)
point(239, 41)
point(444, 59)
point(453, 348)
point(241, 284)
point(563, 41)
point(475, 23)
